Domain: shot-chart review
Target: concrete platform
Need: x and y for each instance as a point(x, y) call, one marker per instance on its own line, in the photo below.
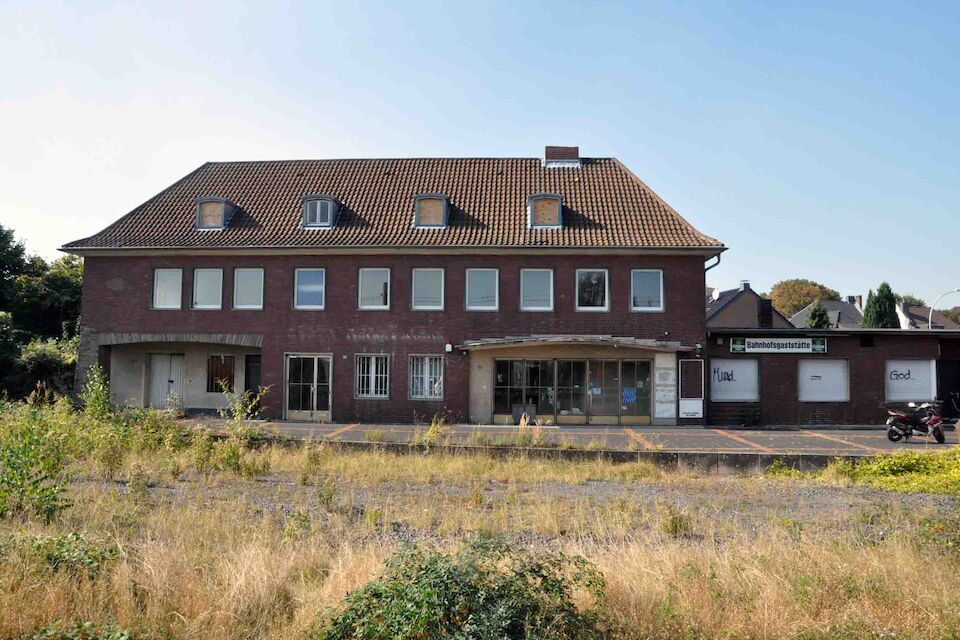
point(814, 441)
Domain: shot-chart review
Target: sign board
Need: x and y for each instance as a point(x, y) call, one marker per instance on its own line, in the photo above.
point(778, 345)
point(734, 380)
point(911, 380)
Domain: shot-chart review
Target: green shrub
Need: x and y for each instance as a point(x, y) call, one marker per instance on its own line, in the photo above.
point(95, 394)
point(79, 631)
point(201, 452)
point(32, 458)
point(486, 590)
point(73, 552)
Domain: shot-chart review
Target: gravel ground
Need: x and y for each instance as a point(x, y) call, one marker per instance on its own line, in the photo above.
point(750, 502)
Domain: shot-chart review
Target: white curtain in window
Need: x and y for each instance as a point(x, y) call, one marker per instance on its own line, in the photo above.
point(207, 286)
point(167, 285)
point(426, 377)
point(248, 289)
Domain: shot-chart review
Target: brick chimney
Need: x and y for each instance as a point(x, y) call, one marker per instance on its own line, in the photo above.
point(857, 301)
point(561, 157)
point(744, 285)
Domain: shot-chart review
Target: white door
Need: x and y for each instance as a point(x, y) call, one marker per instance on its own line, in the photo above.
point(166, 380)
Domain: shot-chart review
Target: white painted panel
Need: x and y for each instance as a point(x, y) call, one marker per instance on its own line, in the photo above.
point(911, 380)
point(823, 380)
point(734, 380)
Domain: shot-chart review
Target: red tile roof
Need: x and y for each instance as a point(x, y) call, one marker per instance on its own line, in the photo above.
point(605, 205)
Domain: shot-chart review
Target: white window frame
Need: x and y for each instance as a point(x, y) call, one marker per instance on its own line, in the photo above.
point(296, 289)
point(606, 292)
point(331, 206)
point(236, 275)
point(413, 289)
point(425, 376)
point(496, 290)
point(846, 366)
point(371, 374)
point(156, 283)
point(378, 307)
point(663, 297)
point(544, 196)
point(193, 300)
point(548, 308)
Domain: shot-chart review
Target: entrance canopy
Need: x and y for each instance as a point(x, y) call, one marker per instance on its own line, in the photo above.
point(577, 339)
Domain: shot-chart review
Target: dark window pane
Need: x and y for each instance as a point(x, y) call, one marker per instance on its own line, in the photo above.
point(516, 373)
point(591, 289)
point(501, 400)
point(502, 373)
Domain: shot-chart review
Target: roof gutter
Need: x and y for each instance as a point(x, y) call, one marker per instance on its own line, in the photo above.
point(710, 251)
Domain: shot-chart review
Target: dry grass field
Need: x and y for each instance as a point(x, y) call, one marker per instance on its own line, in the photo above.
point(170, 534)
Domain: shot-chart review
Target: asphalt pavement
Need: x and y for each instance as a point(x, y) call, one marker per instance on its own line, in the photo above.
point(821, 441)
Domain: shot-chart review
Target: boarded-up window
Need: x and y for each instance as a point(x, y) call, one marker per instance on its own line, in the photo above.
point(545, 212)
point(211, 215)
point(734, 380)
point(220, 374)
point(430, 212)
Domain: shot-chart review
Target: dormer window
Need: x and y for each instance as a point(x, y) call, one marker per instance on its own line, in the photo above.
point(213, 213)
point(544, 211)
point(319, 212)
point(431, 211)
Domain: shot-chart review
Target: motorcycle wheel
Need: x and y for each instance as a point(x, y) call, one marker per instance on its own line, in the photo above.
point(893, 435)
point(938, 435)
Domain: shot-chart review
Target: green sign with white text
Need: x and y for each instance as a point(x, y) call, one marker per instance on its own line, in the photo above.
point(778, 345)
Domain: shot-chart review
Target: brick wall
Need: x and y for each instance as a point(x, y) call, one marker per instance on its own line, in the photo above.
point(117, 296)
point(778, 372)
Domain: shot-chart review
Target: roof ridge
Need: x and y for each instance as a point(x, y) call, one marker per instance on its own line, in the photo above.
point(392, 159)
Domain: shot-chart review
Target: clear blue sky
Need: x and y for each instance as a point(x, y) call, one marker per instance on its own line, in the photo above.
point(815, 140)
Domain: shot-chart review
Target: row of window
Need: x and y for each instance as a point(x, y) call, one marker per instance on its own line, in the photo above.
point(371, 379)
point(430, 211)
point(821, 380)
point(427, 289)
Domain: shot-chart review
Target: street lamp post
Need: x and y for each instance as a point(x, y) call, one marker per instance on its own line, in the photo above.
point(943, 295)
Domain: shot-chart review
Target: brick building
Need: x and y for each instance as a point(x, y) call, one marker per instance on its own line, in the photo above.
point(392, 290)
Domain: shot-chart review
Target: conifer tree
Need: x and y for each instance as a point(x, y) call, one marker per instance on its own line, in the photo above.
point(817, 317)
point(881, 309)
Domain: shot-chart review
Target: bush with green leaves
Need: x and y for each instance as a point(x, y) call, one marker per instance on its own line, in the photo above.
point(73, 552)
point(32, 460)
point(95, 394)
point(488, 589)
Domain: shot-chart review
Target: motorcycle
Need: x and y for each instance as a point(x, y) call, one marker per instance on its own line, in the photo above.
point(925, 420)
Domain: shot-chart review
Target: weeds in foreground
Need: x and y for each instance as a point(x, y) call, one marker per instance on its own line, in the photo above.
point(487, 589)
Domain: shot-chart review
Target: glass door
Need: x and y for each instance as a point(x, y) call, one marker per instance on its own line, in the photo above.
point(308, 387)
point(635, 392)
point(571, 392)
point(604, 386)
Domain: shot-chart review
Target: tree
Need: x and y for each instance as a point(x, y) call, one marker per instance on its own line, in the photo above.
point(817, 317)
point(880, 311)
point(790, 296)
point(953, 314)
point(47, 297)
point(911, 300)
point(12, 263)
